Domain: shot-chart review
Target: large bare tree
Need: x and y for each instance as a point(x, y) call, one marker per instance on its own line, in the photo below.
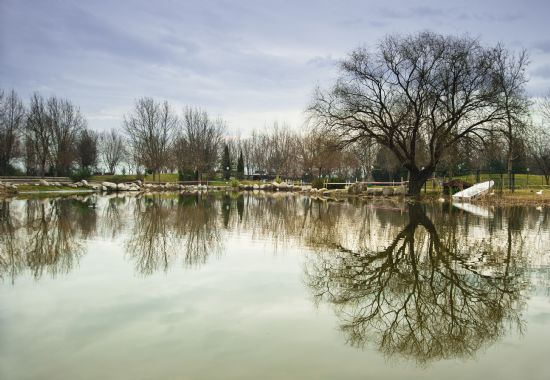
point(150, 129)
point(12, 118)
point(417, 95)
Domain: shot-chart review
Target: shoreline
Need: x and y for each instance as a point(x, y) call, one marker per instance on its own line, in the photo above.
point(339, 195)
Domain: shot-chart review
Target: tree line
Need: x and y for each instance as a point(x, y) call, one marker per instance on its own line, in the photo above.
point(410, 107)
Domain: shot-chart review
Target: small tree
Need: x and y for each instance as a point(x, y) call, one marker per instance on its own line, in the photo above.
point(112, 150)
point(87, 149)
point(226, 162)
point(12, 118)
point(240, 165)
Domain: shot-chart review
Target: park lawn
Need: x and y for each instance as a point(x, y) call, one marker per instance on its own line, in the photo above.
point(46, 188)
point(521, 180)
point(117, 178)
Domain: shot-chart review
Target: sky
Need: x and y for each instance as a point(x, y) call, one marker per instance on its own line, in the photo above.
point(249, 62)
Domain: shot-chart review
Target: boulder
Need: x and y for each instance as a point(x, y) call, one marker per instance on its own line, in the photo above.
point(43, 182)
point(375, 191)
point(109, 185)
point(103, 188)
point(401, 190)
point(122, 187)
point(256, 187)
point(387, 191)
point(357, 188)
point(84, 183)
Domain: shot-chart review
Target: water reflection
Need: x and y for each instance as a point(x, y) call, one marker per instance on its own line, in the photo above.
point(165, 228)
point(416, 282)
point(421, 296)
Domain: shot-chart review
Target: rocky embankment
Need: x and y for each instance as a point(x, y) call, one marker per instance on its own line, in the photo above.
point(42, 185)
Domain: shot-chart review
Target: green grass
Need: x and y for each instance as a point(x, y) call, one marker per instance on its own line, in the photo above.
point(46, 188)
point(521, 180)
point(117, 178)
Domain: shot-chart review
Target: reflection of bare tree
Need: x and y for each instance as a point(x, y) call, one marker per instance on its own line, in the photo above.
point(150, 240)
point(418, 298)
point(112, 216)
point(11, 250)
point(51, 243)
point(164, 228)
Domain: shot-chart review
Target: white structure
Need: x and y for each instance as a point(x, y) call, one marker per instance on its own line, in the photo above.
point(475, 191)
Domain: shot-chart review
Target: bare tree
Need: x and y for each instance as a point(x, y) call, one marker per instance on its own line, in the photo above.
point(539, 140)
point(199, 141)
point(365, 151)
point(150, 129)
point(111, 149)
point(420, 92)
point(511, 79)
point(37, 135)
point(319, 154)
point(12, 117)
point(87, 149)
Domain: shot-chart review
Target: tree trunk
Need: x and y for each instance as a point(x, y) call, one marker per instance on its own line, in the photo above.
point(417, 178)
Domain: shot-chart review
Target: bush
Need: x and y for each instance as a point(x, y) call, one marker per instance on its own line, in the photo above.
point(80, 174)
point(317, 183)
point(234, 183)
point(278, 179)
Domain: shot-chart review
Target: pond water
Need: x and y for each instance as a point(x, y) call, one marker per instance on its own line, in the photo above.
point(271, 287)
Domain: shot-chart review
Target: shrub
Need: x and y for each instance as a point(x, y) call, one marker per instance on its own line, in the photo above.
point(317, 183)
point(278, 179)
point(80, 174)
point(234, 183)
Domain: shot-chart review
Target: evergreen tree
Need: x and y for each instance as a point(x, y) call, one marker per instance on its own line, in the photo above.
point(226, 162)
point(240, 165)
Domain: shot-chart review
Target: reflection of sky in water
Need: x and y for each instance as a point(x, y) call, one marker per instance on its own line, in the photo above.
point(243, 307)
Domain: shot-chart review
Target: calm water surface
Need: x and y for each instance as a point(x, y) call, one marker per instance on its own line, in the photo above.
point(271, 287)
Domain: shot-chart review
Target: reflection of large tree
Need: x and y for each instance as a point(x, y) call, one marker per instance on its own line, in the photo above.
point(52, 236)
point(45, 239)
point(165, 229)
point(418, 297)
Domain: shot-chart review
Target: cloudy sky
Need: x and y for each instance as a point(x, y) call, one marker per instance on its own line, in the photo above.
point(251, 62)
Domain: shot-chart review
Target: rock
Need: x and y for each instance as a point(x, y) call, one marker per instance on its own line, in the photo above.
point(387, 191)
point(43, 182)
point(103, 188)
point(84, 183)
point(122, 187)
point(357, 188)
point(133, 187)
point(109, 185)
point(374, 191)
point(256, 187)
point(283, 186)
point(138, 182)
point(401, 190)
